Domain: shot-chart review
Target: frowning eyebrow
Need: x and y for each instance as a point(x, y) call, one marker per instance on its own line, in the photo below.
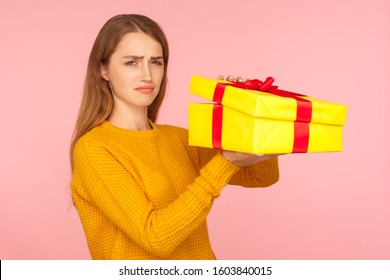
point(141, 57)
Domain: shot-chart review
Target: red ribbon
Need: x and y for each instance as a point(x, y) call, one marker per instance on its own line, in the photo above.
point(217, 126)
point(301, 124)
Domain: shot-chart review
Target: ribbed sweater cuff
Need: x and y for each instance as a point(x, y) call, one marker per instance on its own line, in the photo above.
point(219, 171)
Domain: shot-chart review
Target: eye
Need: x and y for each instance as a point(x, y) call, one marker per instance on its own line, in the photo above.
point(157, 62)
point(131, 62)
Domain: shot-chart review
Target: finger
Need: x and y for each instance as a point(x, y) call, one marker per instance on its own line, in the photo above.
point(220, 77)
point(230, 78)
point(239, 79)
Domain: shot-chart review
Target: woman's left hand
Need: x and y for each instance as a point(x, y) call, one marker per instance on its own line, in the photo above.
point(232, 78)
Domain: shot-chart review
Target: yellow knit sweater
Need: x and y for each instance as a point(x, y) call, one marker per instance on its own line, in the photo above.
point(146, 194)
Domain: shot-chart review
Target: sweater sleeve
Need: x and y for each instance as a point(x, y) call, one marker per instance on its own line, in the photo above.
point(120, 197)
point(262, 174)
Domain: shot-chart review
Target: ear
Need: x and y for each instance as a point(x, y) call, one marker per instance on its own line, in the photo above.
point(104, 73)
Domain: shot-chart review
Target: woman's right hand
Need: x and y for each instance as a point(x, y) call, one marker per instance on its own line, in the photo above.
point(244, 159)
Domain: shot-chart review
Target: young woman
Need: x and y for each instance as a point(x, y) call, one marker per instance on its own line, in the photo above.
point(140, 190)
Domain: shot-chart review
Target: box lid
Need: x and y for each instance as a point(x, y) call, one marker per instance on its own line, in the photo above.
point(267, 105)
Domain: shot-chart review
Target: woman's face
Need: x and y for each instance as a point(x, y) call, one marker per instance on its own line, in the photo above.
point(135, 71)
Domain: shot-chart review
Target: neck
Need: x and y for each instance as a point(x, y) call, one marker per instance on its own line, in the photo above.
point(130, 120)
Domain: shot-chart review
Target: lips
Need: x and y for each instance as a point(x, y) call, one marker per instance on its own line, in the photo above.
point(145, 89)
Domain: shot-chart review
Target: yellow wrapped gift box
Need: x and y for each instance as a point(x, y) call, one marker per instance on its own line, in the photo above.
point(264, 120)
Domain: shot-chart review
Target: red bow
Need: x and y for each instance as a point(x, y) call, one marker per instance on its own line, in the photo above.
point(249, 84)
point(256, 84)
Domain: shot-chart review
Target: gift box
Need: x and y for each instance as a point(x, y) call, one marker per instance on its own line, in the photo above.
point(258, 117)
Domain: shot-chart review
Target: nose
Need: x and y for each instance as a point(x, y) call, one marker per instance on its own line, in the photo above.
point(146, 74)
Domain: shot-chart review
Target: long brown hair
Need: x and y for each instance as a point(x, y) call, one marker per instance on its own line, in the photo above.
point(97, 102)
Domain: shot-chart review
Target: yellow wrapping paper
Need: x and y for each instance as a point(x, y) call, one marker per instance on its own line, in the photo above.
point(244, 133)
point(260, 122)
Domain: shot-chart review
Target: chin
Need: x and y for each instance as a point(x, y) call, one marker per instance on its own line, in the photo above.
point(145, 103)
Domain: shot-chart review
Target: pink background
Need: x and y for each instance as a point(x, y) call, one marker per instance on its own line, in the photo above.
point(325, 206)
